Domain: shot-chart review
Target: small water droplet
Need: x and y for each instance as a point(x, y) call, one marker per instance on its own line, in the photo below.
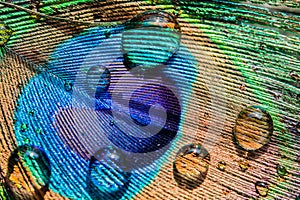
point(150, 38)
point(97, 80)
point(107, 33)
point(222, 166)
point(294, 75)
point(111, 122)
point(26, 141)
point(244, 165)
point(68, 86)
point(253, 128)
point(36, 168)
point(191, 166)
point(262, 188)
point(281, 170)
point(31, 112)
point(106, 177)
point(38, 131)
point(24, 127)
point(5, 33)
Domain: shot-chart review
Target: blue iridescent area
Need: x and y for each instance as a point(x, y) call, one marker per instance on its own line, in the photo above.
point(72, 166)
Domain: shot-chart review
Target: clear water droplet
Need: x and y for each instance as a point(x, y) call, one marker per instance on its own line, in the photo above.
point(24, 127)
point(31, 112)
point(262, 188)
point(5, 33)
point(253, 128)
point(106, 177)
point(244, 165)
point(38, 131)
point(68, 86)
point(294, 75)
point(281, 170)
point(191, 166)
point(97, 80)
point(35, 167)
point(111, 122)
point(150, 38)
point(107, 33)
point(222, 166)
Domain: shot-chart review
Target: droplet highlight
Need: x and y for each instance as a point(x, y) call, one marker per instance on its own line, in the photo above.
point(191, 166)
point(29, 172)
point(253, 128)
point(262, 188)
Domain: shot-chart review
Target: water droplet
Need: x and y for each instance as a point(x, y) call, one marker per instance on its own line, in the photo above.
point(281, 170)
point(111, 122)
point(31, 112)
point(35, 167)
point(253, 128)
point(68, 86)
point(106, 177)
point(107, 33)
point(150, 38)
point(191, 166)
point(222, 166)
point(5, 33)
point(38, 131)
point(294, 75)
point(24, 127)
point(97, 80)
point(244, 165)
point(26, 141)
point(262, 188)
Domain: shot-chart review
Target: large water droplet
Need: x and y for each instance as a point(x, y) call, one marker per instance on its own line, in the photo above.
point(107, 178)
point(24, 127)
point(191, 166)
point(262, 188)
point(28, 173)
point(150, 38)
point(97, 80)
point(253, 128)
